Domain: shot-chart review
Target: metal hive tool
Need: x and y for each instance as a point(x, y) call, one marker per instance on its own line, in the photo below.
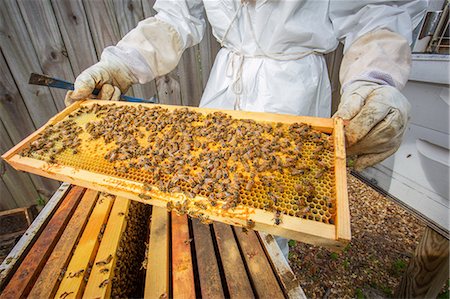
point(265, 197)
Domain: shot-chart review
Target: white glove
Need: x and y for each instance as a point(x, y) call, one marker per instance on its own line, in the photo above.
point(378, 116)
point(111, 77)
point(374, 68)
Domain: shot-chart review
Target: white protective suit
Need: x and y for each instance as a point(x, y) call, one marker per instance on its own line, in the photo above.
point(272, 60)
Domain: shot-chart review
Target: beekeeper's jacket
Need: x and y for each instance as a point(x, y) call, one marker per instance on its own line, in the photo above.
point(272, 50)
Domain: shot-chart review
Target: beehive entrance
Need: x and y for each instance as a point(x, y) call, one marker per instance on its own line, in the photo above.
point(226, 162)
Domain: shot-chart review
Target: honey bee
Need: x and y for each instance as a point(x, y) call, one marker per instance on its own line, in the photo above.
point(322, 164)
point(280, 188)
point(65, 295)
point(299, 147)
point(273, 197)
point(204, 219)
point(169, 206)
point(75, 274)
point(229, 204)
point(268, 205)
point(181, 208)
point(320, 173)
point(305, 210)
point(299, 188)
point(318, 149)
point(144, 196)
point(277, 218)
point(105, 261)
point(188, 241)
point(147, 187)
point(250, 184)
point(201, 205)
point(250, 224)
point(309, 187)
point(104, 283)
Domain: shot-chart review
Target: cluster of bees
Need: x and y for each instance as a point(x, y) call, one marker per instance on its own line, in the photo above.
point(54, 140)
point(128, 272)
point(212, 155)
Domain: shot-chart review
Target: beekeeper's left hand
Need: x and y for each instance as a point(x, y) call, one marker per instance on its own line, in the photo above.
point(378, 115)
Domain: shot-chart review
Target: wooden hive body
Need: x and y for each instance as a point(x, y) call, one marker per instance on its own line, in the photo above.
point(89, 168)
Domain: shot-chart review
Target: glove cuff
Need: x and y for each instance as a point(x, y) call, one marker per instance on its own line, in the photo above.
point(381, 57)
point(113, 59)
point(150, 50)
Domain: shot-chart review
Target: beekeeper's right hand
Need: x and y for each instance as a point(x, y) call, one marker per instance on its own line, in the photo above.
point(111, 77)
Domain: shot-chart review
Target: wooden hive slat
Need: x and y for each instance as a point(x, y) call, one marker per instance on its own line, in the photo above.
point(48, 281)
point(157, 276)
point(260, 270)
point(73, 281)
point(208, 269)
point(16, 255)
point(334, 236)
point(236, 276)
point(343, 210)
point(25, 276)
point(280, 264)
point(182, 271)
point(100, 279)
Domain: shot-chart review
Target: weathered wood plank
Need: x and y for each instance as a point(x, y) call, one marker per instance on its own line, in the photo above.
point(208, 51)
point(237, 280)
point(18, 183)
point(25, 276)
point(157, 276)
point(288, 279)
point(86, 249)
point(80, 48)
point(12, 112)
point(17, 254)
point(41, 23)
point(190, 77)
point(100, 279)
point(169, 92)
point(22, 60)
point(12, 108)
point(264, 280)
point(333, 61)
point(208, 269)
point(182, 271)
point(48, 281)
point(103, 24)
point(7, 202)
point(147, 7)
point(428, 269)
point(128, 14)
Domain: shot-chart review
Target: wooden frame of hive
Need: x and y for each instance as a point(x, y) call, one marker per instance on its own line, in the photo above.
point(334, 236)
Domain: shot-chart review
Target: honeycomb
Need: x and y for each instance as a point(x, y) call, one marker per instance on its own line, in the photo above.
point(287, 169)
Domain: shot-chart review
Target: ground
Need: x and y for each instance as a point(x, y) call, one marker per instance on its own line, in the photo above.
point(384, 237)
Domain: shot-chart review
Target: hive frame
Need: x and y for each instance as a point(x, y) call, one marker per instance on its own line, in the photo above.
point(334, 236)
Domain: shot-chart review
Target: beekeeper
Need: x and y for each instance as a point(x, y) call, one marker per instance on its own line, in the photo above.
point(272, 60)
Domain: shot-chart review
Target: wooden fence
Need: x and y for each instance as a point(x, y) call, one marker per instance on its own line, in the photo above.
point(62, 38)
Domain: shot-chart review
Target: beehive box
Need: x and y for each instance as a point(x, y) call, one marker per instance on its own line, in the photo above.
point(281, 174)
